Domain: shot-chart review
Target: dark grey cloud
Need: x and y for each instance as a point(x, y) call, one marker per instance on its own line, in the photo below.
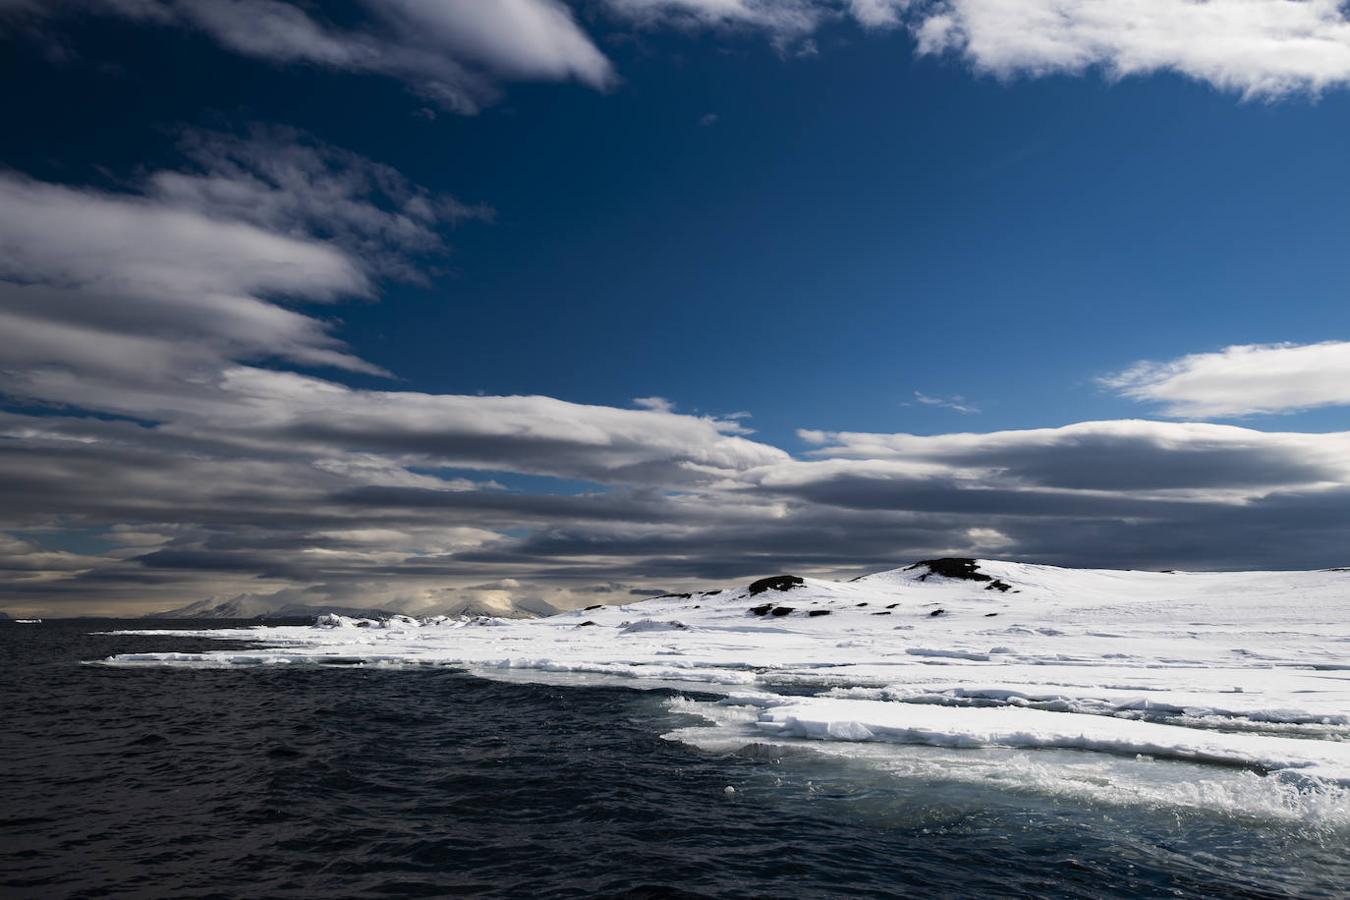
point(951, 495)
point(1132, 455)
point(1142, 463)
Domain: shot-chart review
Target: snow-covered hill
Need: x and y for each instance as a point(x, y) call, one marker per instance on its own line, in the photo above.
point(250, 606)
point(1251, 670)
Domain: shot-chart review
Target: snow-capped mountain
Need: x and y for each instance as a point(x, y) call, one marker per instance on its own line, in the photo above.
point(524, 608)
point(255, 607)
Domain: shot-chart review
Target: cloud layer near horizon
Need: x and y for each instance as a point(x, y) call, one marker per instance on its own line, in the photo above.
point(162, 446)
point(457, 54)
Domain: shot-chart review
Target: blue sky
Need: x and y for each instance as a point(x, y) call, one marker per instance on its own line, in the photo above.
point(799, 232)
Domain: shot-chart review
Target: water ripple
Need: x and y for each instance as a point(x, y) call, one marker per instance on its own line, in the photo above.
point(360, 782)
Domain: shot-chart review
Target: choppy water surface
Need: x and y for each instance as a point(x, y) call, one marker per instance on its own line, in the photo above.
point(356, 781)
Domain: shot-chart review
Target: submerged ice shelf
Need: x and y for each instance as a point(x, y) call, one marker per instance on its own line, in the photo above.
point(1249, 670)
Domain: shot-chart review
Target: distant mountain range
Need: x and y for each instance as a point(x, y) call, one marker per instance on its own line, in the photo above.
point(255, 607)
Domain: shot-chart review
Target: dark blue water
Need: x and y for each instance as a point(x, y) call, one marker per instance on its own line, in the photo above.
point(359, 782)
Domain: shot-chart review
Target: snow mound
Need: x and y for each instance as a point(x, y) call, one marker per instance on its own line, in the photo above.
point(648, 625)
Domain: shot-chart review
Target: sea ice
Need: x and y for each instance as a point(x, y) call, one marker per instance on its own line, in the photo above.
point(1249, 670)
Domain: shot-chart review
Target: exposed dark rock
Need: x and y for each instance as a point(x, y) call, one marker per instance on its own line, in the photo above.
point(711, 593)
point(584, 624)
point(776, 583)
point(938, 612)
point(893, 606)
point(782, 610)
point(952, 567)
point(988, 615)
point(596, 606)
point(997, 585)
point(882, 613)
point(761, 610)
point(862, 604)
point(818, 612)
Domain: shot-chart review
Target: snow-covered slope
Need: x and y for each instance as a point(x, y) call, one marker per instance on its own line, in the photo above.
point(1251, 670)
point(515, 608)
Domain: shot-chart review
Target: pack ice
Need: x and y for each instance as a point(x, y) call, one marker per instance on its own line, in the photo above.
point(1247, 670)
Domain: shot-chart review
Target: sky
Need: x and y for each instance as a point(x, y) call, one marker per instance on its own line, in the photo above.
point(415, 304)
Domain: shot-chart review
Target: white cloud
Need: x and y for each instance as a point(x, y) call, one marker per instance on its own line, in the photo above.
point(878, 13)
point(450, 52)
point(659, 404)
point(519, 39)
point(1242, 380)
point(533, 434)
point(955, 402)
point(76, 265)
point(1260, 48)
point(75, 238)
point(284, 180)
point(785, 19)
point(455, 53)
point(989, 539)
point(137, 301)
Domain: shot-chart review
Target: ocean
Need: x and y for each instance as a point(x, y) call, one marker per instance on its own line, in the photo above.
point(360, 781)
